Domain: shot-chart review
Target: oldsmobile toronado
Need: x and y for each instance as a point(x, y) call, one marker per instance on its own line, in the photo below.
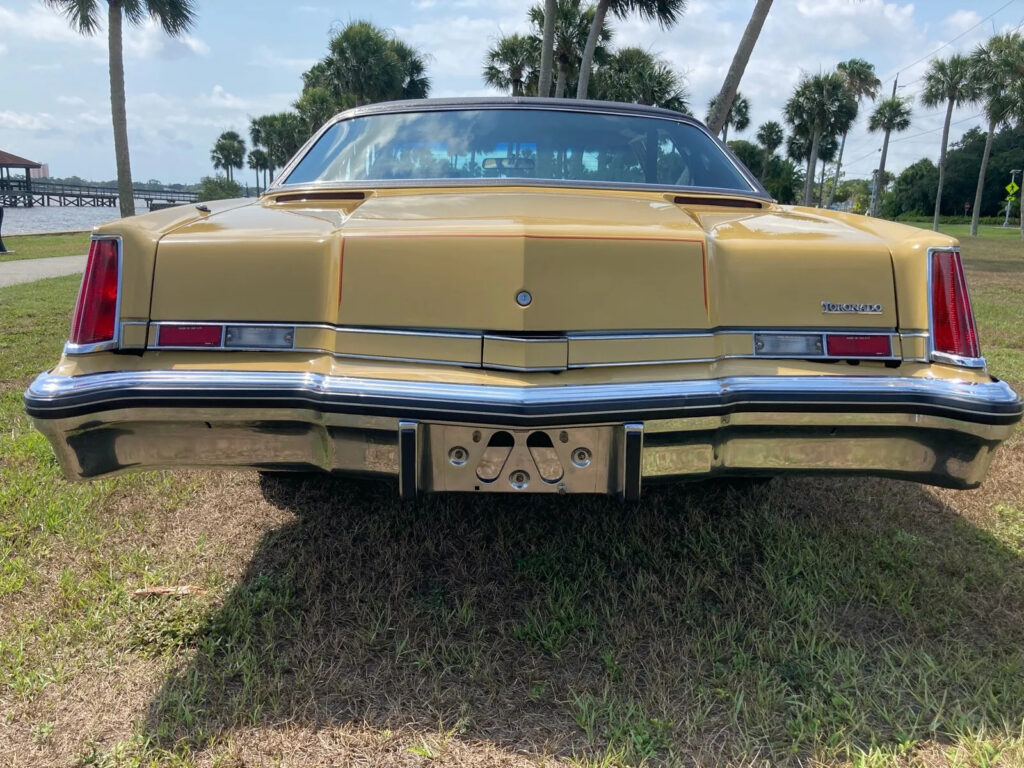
point(525, 296)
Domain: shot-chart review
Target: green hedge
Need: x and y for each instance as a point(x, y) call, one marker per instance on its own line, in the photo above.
point(920, 218)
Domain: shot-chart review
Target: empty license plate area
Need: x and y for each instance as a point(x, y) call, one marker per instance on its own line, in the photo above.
point(488, 459)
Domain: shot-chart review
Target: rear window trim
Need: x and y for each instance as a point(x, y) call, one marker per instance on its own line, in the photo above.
point(757, 191)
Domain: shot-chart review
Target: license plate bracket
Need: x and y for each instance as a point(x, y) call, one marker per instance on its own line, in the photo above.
point(603, 459)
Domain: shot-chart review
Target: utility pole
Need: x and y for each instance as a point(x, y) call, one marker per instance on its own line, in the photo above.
point(1010, 197)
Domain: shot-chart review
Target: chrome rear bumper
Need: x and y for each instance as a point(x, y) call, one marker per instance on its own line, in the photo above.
point(937, 431)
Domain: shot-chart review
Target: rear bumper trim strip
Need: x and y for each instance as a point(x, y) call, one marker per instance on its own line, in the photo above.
point(52, 396)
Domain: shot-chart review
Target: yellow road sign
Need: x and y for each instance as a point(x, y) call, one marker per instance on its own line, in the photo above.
point(1012, 187)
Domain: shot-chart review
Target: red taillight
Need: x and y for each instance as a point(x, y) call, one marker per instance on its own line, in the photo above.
point(189, 336)
point(848, 345)
point(95, 317)
point(953, 329)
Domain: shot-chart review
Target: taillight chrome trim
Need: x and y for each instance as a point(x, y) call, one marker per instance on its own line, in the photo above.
point(934, 355)
point(115, 343)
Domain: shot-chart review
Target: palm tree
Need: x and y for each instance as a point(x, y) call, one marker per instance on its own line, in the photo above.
point(826, 154)
point(820, 106)
point(547, 47)
point(861, 81)
point(798, 148)
point(770, 136)
point(315, 106)
point(723, 103)
point(228, 153)
point(738, 115)
point(259, 162)
point(637, 76)
point(572, 28)
point(175, 17)
point(412, 65)
point(665, 12)
point(511, 63)
point(280, 135)
point(366, 64)
point(952, 81)
point(891, 115)
point(998, 63)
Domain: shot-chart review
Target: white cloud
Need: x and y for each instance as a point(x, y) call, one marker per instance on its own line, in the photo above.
point(74, 101)
point(267, 57)
point(219, 98)
point(146, 41)
point(26, 121)
point(961, 21)
point(149, 40)
point(38, 23)
point(3, 49)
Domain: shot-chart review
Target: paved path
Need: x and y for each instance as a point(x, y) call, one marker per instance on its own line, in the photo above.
point(30, 270)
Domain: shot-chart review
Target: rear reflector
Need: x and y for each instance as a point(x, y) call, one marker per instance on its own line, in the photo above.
point(95, 315)
point(788, 345)
point(858, 346)
point(189, 336)
point(259, 336)
point(953, 328)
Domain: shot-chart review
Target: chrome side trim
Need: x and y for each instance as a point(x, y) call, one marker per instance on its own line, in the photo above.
point(568, 336)
point(945, 357)
point(102, 346)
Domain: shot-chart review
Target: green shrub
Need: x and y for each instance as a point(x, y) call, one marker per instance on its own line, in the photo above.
point(218, 188)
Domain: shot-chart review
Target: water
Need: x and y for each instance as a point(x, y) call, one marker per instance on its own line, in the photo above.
point(40, 219)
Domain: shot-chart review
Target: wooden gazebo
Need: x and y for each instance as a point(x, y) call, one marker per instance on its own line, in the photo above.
point(9, 161)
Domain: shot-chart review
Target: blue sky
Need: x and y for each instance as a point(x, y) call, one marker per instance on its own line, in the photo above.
point(245, 58)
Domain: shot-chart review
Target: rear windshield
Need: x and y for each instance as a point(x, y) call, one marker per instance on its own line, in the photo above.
point(527, 144)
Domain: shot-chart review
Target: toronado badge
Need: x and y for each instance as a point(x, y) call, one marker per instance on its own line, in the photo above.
point(831, 307)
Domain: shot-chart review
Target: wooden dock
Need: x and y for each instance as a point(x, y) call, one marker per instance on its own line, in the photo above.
point(27, 193)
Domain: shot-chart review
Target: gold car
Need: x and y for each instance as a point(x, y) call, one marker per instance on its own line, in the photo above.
point(522, 295)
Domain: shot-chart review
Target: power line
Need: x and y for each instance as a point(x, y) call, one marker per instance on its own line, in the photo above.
point(907, 138)
point(933, 130)
point(951, 41)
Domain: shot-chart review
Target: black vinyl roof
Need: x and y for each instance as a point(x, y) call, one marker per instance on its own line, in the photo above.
point(512, 102)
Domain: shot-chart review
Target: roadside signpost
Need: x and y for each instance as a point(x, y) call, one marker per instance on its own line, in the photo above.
point(1011, 191)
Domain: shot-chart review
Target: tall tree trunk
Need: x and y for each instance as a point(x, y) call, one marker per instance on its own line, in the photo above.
point(821, 184)
point(588, 51)
point(739, 64)
point(976, 215)
point(725, 133)
point(812, 165)
point(257, 182)
point(118, 113)
point(942, 165)
point(876, 198)
point(547, 49)
point(560, 83)
point(517, 87)
point(839, 164)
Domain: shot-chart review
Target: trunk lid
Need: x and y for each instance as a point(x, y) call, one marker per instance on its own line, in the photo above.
point(612, 277)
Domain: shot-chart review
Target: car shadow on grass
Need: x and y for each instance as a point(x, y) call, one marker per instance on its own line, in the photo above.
point(710, 623)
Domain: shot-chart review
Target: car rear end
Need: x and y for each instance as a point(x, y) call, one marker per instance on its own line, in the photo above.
point(524, 339)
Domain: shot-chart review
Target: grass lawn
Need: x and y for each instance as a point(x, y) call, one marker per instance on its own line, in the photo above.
point(985, 232)
point(856, 623)
point(41, 246)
